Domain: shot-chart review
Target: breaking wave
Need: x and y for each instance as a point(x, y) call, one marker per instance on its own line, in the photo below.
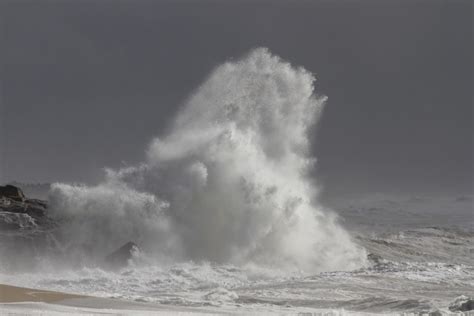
point(227, 183)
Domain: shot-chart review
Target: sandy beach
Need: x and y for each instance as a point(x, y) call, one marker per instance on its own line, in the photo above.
point(12, 294)
point(25, 301)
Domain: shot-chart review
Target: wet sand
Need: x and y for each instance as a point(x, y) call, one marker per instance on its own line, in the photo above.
point(12, 294)
point(26, 301)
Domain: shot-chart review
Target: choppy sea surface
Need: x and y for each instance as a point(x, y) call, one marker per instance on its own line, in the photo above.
point(420, 258)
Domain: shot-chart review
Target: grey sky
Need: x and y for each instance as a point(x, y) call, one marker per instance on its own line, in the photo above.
point(87, 84)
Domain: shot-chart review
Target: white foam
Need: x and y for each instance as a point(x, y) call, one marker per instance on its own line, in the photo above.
point(227, 183)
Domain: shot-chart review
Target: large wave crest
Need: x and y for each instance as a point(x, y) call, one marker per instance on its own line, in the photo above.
point(227, 183)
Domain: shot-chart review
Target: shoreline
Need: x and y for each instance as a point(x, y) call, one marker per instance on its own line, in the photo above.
point(16, 300)
point(28, 301)
point(16, 294)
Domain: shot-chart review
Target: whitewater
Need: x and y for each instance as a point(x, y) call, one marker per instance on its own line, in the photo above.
point(227, 215)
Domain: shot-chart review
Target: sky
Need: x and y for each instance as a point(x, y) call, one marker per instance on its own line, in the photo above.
point(88, 84)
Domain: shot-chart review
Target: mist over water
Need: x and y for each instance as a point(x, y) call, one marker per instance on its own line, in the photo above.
point(227, 183)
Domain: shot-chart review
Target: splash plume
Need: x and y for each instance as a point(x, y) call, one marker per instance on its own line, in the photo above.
point(228, 182)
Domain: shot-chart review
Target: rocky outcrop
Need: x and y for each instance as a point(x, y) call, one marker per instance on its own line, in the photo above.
point(12, 192)
point(462, 304)
point(120, 257)
point(26, 231)
point(13, 200)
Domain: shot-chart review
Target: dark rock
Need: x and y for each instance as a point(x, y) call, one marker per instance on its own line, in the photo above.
point(374, 258)
point(12, 192)
point(120, 257)
point(36, 208)
point(462, 304)
point(13, 200)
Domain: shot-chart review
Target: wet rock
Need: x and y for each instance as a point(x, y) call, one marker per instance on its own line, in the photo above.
point(12, 192)
point(120, 257)
point(374, 258)
point(13, 200)
point(32, 207)
point(462, 304)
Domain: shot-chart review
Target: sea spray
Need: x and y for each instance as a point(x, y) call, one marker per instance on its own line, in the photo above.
point(228, 182)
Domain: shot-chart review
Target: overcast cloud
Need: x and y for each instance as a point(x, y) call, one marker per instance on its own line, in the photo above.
point(88, 84)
